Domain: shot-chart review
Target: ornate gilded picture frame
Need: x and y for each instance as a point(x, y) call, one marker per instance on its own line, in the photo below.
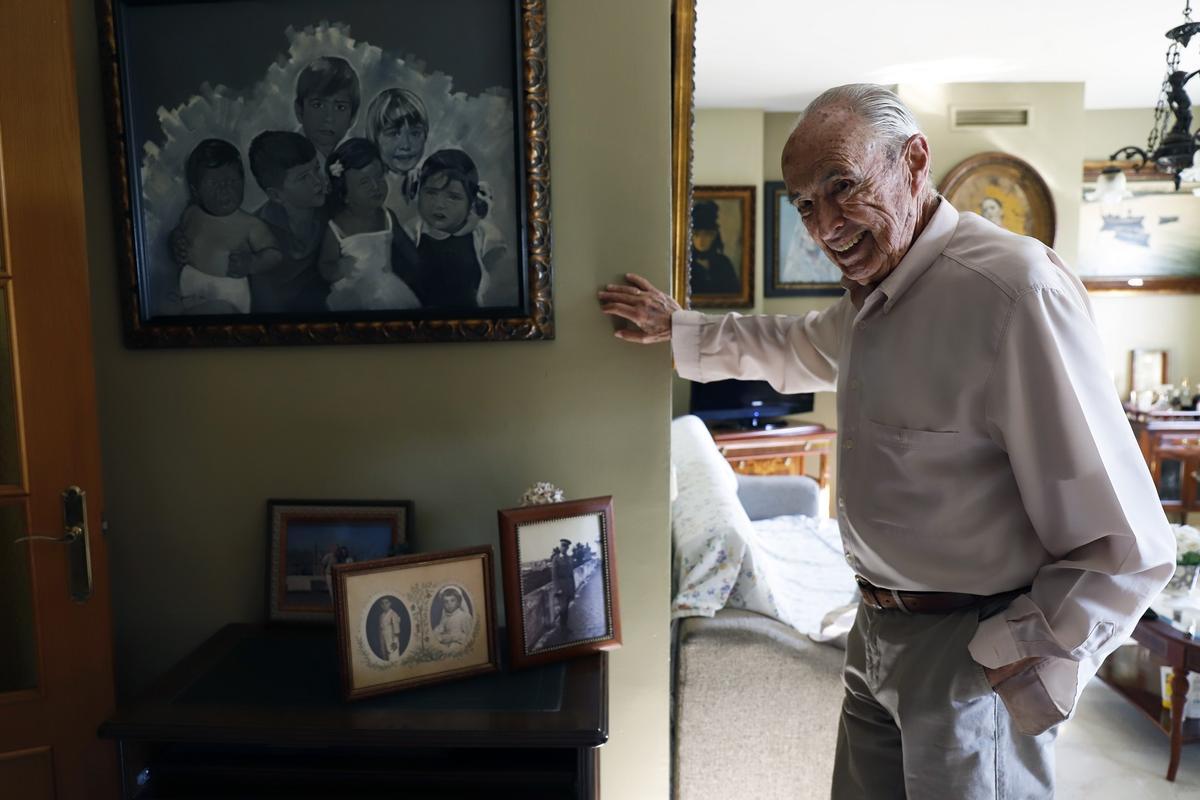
point(683, 108)
point(721, 268)
point(321, 172)
point(1004, 190)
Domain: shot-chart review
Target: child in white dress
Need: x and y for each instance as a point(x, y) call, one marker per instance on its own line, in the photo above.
point(356, 254)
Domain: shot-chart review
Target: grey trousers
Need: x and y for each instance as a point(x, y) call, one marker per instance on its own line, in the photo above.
point(920, 720)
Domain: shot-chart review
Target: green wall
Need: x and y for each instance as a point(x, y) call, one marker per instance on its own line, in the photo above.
point(195, 441)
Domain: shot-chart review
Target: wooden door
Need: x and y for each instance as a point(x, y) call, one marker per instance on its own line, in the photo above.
point(56, 682)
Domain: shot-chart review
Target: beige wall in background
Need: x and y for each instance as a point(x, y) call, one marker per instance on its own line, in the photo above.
point(195, 441)
point(1105, 130)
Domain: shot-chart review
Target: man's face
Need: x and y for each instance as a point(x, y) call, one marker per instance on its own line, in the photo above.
point(857, 200)
point(303, 187)
point(325, 119)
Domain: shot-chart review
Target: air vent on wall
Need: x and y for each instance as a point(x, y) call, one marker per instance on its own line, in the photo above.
point(1010, 117)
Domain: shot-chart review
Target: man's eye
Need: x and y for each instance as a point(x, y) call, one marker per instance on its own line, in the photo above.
point(804, 207)
point(842, 186)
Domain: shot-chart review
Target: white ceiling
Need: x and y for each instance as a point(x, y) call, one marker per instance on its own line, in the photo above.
point(779, 54)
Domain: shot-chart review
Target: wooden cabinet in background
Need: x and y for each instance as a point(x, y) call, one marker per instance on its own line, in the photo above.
point(1170, 443)
point(780, 451)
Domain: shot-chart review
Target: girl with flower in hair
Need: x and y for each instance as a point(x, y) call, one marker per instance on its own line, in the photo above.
point(462, 256)
point(356, 253)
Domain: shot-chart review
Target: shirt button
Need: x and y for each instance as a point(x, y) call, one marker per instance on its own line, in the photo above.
point(849, 445)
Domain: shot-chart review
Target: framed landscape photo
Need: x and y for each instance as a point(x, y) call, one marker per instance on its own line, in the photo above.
point(721, 271)
point(560, 580)
point(1145, 237)
point(308, 538)
point(329, 171)
point(795, 266)
point(414, 620)
point(1004, 190)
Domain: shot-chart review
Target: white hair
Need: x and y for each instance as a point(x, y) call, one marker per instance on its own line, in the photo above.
point(878, 106)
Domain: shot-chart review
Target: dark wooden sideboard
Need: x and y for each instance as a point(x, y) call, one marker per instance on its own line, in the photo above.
point(1170, 443)
point(256, 712)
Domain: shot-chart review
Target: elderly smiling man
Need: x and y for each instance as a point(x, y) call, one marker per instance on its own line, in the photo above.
point(992, 500)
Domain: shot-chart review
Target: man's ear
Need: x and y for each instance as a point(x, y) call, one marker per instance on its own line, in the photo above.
point(916, 157)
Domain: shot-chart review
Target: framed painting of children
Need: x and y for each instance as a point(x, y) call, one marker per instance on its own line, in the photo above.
point(329, 171)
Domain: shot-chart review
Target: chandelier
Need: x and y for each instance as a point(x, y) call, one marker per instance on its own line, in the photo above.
point(1172, 148)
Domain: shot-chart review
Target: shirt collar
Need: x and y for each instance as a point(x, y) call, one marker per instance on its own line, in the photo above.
point(921, 255)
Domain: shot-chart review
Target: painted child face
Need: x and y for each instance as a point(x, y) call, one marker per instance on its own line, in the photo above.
point(220, 190)
point(403, 146)
point(366, 188)
point(325, 119)
point(303, 187)
point(443, 203)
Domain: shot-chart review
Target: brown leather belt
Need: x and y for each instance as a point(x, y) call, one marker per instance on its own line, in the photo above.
point(922, 602)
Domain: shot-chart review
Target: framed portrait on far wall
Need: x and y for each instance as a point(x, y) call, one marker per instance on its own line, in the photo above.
point(560, 580)
point(414, 620)
point(795, 265)
point(329, 171)
point(1143, 235)
point(721, 273)
point(308, 538)
point(1004, 190)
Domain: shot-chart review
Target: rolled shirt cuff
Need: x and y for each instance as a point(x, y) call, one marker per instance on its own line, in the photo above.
point(993, 645)
point(685, 343)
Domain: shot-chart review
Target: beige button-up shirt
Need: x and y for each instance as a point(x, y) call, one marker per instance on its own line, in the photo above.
point(983, 447)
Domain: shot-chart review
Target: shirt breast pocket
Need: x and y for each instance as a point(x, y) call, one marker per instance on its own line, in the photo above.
point(907, 478)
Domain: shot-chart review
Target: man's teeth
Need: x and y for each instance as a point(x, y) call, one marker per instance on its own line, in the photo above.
point(843, 248)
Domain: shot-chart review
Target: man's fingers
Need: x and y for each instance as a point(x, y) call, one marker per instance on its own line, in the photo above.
point(622, 310)
point(639, 337)
point(640, 282)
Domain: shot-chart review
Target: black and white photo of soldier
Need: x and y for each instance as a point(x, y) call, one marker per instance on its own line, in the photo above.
point(562, 588)
point(219, 90)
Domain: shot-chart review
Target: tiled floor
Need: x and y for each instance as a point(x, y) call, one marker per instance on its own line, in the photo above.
point(1110, 751)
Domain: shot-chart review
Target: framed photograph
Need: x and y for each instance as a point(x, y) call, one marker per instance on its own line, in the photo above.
point(308, 538)
point(560, 580)
point(722, 261)
point(329, 171)
point(1004, 190)
point(796, 266)
point(1147, 370)
point(1142, 236)
point(414, 620)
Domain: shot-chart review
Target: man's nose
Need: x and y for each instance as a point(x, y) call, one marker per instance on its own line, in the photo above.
point(829, 219)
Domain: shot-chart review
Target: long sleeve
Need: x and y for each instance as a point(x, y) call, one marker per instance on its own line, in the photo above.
point(1085, 489)
point(793, 354)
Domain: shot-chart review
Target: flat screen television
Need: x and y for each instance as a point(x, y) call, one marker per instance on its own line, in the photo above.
point(746, 404)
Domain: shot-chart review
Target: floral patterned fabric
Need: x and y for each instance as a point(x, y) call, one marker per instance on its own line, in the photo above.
point(790, 568)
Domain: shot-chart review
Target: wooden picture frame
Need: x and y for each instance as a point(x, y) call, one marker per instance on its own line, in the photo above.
point(224, 228)
point(683, 119)
point(545, 622)
point(1005, 190)
point(414, 620)
point(1147, 370)
point(723, 222)
point(794, 265)
point(307, 538)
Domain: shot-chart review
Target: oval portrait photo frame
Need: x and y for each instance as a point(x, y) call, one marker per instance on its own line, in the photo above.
point(974, 180)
